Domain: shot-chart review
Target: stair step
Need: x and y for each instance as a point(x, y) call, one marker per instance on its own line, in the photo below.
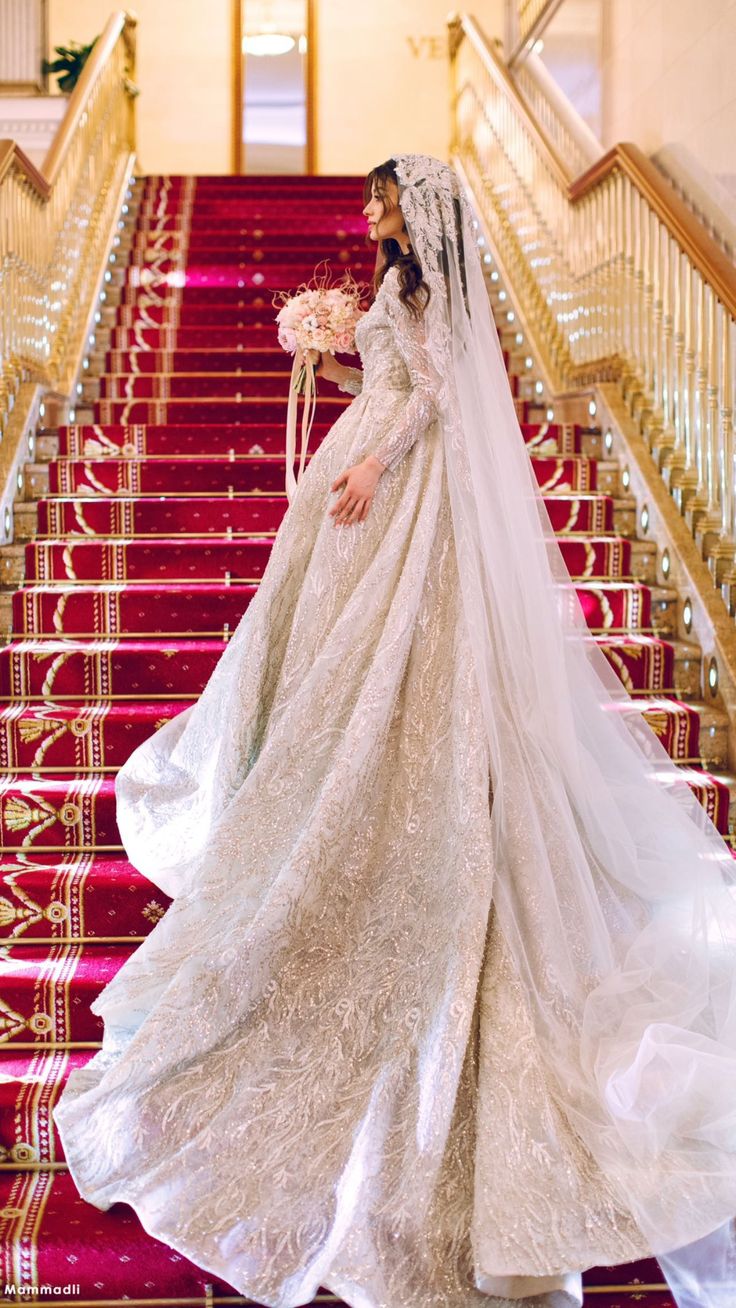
point(77, 812)
point(713, 737)
point(168, 559)
point(47, 446)
point(80, 670)
point(76, 896)
point(141, 515)
point(245, 404)
point(50, 737)
point(25, 521)
point(246, 355)
point(226, 386)
point(241, 472)
point(140, 440)
point(12, 564)
point(46, 991)
point(97, 671)
point(650, 664)
point(141, 342)
point(28, 1133)
point(177, 441)
point(241, 405)
point(168, 608)
point(126, 1263)
point(61, 737)
point(135, 609)
point(644, 558)
point(585, 557)
point(36, 480)
point(176, 558)
point(693, 733)
point(665, 607)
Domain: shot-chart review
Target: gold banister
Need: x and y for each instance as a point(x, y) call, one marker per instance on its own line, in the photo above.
point(120, 27)
point(616, 280)
point(11, 156)
point(691, 234)
point(526, 20)
point(56, 222)
point(468, 27)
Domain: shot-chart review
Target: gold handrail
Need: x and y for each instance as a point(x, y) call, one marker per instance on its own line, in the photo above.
point(528, 18)
point(468, 27)
point(12, 155)
point(616, 279)
point(118, 25)
point(559, 121)
point(56, 221)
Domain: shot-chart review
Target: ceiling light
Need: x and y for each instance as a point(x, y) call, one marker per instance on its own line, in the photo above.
point(268, 43)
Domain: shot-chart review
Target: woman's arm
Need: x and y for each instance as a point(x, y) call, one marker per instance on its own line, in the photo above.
point(352, 381)
point(347, 379)
point(422, 406)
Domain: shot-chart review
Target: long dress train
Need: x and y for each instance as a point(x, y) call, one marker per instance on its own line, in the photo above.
point(318, 1068)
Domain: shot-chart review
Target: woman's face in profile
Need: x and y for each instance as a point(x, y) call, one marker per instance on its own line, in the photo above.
point(383, 211)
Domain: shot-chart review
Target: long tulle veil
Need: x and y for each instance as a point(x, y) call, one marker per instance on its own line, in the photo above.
point(613, 888)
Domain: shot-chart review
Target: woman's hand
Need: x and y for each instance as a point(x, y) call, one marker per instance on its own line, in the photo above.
point(327, 366)
point(360, 482)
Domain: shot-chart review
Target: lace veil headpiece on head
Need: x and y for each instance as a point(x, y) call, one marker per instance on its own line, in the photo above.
point(613, 888)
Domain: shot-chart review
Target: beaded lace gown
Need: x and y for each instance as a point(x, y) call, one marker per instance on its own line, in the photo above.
point(318, 1068)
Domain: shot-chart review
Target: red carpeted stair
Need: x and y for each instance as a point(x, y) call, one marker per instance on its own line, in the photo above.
point(154, 526)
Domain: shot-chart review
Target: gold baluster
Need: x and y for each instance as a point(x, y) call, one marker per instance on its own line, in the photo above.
point(696, 399)
point(728, 462)
point(686, 481)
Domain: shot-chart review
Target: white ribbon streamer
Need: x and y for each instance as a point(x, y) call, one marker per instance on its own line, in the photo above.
point(308, 411)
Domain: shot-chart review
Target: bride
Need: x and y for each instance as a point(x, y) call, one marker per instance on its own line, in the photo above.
point(443, 1009)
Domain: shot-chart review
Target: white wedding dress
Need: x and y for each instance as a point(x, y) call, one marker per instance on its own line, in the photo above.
point(319, 1068)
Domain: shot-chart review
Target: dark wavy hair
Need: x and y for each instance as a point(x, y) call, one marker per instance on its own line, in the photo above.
point(413, 290)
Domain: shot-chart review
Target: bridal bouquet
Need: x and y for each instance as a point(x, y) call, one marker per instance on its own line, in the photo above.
point(320, 315)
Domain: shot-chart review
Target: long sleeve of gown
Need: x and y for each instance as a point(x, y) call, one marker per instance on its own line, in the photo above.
point(352, 382)
point(422, 405)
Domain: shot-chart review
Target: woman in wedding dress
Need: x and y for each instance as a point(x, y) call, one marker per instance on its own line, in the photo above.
point(443, 1009)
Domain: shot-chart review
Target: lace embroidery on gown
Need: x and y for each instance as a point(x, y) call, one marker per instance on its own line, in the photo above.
point(317, 1069)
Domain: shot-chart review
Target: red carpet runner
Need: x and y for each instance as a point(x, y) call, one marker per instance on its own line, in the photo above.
point(150, 543)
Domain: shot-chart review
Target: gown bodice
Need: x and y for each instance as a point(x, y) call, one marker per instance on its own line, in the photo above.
point(392, 346)
point(382, 362)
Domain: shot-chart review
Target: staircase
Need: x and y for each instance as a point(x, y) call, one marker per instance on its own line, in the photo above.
point(140, 538)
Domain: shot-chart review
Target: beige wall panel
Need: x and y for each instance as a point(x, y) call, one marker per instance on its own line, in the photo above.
point(668, 77)
point(382, 78)
point(184, 111)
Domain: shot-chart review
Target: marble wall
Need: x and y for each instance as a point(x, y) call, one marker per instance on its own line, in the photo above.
point(656, 72)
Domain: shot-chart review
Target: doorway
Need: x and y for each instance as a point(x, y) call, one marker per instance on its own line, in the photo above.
point(274, 86)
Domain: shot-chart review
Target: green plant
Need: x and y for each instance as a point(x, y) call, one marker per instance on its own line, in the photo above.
point(70, 63)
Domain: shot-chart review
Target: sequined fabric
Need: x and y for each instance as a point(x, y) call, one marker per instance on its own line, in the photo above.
point(317, 1068)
